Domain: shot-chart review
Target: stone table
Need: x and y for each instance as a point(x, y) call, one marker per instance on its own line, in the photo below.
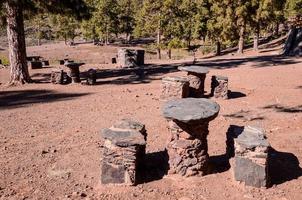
point(33, 58)
point(74, 71)
point(188, 124)
point(196, 76)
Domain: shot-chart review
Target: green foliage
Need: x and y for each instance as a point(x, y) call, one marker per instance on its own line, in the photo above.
point(4, 60)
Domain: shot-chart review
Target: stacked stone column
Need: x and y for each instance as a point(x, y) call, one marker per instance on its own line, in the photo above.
point(174, 88)
point(188, 124)
point(219, 87)
point(123, 154)
point(251, 157)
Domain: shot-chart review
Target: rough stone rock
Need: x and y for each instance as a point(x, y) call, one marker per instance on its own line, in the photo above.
point(124, 151)
point(174, 88)
point(35, 64)
point(219, 87)
point(191, 110)
point(251, 157)
point(129, 58)
point(74, 71)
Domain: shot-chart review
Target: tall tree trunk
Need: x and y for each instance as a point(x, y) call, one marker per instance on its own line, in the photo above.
point(158, 44)
point(256, 38)
point(169, 53)
point(277, 29)
point(16, 44)
point(218, 48)
point(241, 40)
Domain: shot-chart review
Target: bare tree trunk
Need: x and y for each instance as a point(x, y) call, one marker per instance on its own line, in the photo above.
point(158, 44)
point(218, 48)
point(256, 38)
point(16, 42)
point(169, 53)
point(241, 40)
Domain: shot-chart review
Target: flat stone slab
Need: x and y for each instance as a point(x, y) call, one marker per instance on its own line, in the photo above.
point(130, 125)
point(190, 110)
point(175, 79)
point(221, 78)
point(195, 69)
point(73, 64)
point(252, 137)
point(123, 138)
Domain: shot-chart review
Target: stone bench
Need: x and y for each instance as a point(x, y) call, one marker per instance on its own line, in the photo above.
point(174, 88)
point(250, 164)
point(188, 124)
point(123, 153)
point(219, 87)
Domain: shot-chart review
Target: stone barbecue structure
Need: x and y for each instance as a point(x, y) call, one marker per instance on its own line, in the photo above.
point(174, 88)
point(251, 157)
point(196, 76)
point(130, 58)
point(124, 152)
point(188, 124)
point(220, 87)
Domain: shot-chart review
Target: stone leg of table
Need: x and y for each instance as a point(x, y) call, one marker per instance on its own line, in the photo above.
point(188, 148)
point(75, 74)
point(196, 84)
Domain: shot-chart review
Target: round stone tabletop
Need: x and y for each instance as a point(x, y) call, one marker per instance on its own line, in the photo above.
point(191, 110)
point(195, 69)
point(73, 64)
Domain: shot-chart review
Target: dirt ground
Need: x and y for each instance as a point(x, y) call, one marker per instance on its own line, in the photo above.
point(50, 146)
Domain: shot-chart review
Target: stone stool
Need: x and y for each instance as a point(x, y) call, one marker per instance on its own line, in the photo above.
point(196, 76)
point(74, 71)
point(174, 88)
point(251, 157)
point(57, 77)
point(124, 152)
point(219, 87)
point(91, 77)
point(188, 124)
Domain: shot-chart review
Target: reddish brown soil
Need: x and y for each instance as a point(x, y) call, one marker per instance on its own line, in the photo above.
point(50, 143)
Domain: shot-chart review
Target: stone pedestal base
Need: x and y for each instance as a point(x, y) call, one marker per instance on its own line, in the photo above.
point(196, 84)
point(124, 151)
point(219, 87)
point(251, 158)
point(74, 74)
point(188, 149)
point(174, 88)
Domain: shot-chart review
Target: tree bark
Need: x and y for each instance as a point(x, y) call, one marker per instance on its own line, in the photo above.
point(16, 42)
point(241, 40)
point(218, 48)
point(169, 53)
point(158, 44)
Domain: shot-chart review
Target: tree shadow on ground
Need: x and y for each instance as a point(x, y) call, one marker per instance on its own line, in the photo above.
point(155, 167)
point(285, 109)
point(221, 163)
point(22, 98)
point(245, 115)
point(283, 167)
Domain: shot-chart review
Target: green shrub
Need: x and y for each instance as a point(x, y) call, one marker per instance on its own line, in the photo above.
point(5, 60)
